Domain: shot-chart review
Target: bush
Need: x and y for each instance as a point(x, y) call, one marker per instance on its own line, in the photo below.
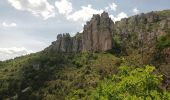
point(83, 59)
point(163, 42)
point(128, 84)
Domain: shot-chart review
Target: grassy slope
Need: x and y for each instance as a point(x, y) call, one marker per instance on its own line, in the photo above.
point(50, 76)
point(54, 80)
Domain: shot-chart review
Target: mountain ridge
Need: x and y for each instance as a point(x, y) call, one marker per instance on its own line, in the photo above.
point(89, 39)
point(77, 67)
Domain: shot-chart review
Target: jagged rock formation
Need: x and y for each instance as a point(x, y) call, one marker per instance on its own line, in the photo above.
point(141, 25)
point(66, 44)
point(146, 27)
point(97, 34)
point(139, 40)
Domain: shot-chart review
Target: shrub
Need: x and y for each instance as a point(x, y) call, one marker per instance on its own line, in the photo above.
point(128, 84)
point(163, 42)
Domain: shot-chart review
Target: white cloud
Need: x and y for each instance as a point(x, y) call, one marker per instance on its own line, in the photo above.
point(8, 53)
point(135, 11)
point(113, 6)
point(4, 24)
point(84, 13)
point(119, 16)
point(64, 6)
point(106, 8)
point(40, 8)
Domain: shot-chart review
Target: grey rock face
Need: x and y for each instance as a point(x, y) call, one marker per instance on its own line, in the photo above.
point(77, 43)
point(66, 44)
point(97, 34)
point(146, 26)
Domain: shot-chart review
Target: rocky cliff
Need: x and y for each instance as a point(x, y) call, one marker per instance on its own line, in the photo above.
point(97, 36)
point(141, 31)
point(66, 44)
point(148, 27)
point(60, 69)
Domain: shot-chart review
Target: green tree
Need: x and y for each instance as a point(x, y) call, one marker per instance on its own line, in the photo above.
point(128, 84)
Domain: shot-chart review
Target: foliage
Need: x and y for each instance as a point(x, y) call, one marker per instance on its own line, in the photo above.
point(118, 47)
point(53, 75)
point(164, 13)
point(163, 42)
point(30, 71)
point(124, 42)
point(50, 75)
point(83, 58)
point(128, 84)
point(168, 31)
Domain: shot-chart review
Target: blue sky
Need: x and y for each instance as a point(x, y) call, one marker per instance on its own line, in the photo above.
point(31, 25)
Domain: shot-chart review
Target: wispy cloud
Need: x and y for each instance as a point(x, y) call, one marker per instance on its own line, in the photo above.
point(135, 11)
point(4, 24)
point(8, 53)
point(119, 16)
point(40, 8)
point(113, 6)
point(64, 6)
point(84, 13)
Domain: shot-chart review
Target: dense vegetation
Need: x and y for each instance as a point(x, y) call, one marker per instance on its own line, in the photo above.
point(85, 75)
point(117, 74)
point(163, 41)
point(51, 75)
point(45, 75)
point(132, 84)
point(100, 76)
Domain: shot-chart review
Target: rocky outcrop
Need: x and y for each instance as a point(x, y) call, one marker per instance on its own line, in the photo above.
point(147, 27)
point(97, 34)
point(139, 24)
point(66, 44)
point(138, 34)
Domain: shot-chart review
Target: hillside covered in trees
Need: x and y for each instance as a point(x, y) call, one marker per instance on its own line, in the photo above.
point(125, 60)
